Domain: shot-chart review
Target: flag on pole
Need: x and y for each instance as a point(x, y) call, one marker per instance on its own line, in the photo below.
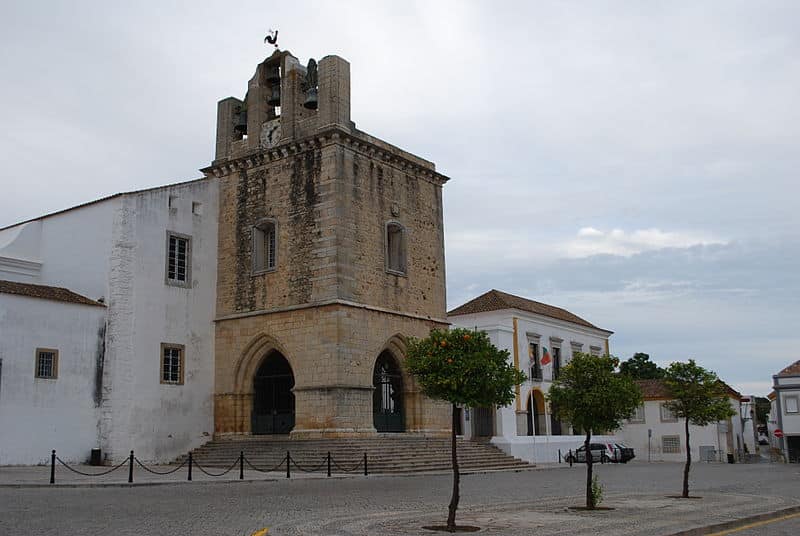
point(545, 356)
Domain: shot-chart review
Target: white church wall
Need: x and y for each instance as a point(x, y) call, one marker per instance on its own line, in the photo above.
point(160, 421)
point(72, 247)
point(37, 415)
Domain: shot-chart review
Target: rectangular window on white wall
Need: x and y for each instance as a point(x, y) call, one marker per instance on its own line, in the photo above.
point(179, 257)
point(638, 416)
point(671, 444)
point(172, 363)
point(667, 415)
point(47, 363)
point(792, 404)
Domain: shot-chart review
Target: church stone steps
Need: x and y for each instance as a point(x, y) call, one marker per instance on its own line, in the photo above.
point(384, 454)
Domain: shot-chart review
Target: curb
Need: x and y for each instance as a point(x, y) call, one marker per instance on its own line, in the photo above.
point(736, 523)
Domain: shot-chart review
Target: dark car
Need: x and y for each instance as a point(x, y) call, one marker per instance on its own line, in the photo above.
point(603, 453)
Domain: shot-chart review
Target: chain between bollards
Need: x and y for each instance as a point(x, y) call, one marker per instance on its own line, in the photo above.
point(130, 469)
point(189, 477)
point(241, 465)
point(53, 467)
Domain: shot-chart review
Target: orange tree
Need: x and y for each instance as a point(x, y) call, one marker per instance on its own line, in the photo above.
point(592, 397)
point(464, 368)
point(699, 398)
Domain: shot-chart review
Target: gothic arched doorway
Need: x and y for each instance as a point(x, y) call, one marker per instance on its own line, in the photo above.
point(273, 400)
point(387, 399)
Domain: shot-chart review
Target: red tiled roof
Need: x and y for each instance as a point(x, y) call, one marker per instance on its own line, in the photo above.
point(791, 370)
point(45, 292)
point(495, 300)
point(657, 390)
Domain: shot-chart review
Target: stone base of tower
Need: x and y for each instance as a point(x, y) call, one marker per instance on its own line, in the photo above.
point(323, 384)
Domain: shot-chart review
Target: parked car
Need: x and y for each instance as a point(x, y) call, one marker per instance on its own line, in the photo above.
point(603, 453)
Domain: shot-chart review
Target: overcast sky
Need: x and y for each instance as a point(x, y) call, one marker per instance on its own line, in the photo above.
point(634, 162)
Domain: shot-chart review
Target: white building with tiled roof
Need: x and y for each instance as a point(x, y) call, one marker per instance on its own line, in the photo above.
point(135, 373)
point(529, 330)
point(785, 412)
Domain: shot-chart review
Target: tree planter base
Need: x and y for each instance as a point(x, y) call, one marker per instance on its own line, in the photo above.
point(595, 509)
point(459, 528)
point(682, 497)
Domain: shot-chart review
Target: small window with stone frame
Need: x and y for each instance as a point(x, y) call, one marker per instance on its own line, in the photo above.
point(265, 246)
point(395, 248)
point(179, 260)
point(172, 363)
point(47, 363)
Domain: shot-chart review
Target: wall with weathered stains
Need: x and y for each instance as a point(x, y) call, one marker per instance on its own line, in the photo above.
point(37, 414)
point(159, 421)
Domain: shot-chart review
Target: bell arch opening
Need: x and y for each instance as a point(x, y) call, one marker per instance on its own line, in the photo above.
point(387, 398)
point(273, 399)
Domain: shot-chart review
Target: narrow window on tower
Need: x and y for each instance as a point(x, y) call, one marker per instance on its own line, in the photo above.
point(179, 260)
point(395, 248)
point(264, 249)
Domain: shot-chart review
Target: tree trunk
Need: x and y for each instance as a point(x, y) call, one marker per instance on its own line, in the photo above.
point(688, 463)
point(589, 495)
point(451, 516)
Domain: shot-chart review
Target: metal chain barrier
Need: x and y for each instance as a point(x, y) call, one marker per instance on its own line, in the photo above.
point(254, 468)
point(62, 462)
point(342, 469)
point(225, 472)
point(317, 468)
point(143, 466)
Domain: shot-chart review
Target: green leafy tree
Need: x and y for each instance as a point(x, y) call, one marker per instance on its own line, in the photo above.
point(762, 409)
point(639, 367)
point(462, 367)
point(591, 396)
point(699, 398)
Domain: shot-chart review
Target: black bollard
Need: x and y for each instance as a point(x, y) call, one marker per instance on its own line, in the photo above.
point(190, 467)
point(365, 465)
point(571, 457)
point(53, 467)
point(329, 463)
point(241, 465)
point(130, 469)
point(559, 455)
point(288, 465)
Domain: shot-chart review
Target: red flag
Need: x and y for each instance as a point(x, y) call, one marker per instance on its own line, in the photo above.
point(545, 357)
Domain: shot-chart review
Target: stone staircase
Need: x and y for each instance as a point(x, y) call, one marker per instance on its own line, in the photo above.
point(386, 454)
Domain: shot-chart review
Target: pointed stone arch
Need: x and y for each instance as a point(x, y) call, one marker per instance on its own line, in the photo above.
point(397, 347)
point(251, 358)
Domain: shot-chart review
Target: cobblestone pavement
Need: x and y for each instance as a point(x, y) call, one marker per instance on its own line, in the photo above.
point(503, 503)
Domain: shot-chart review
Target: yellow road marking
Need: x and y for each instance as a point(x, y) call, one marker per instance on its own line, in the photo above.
point(756, 524)
point(261, 532)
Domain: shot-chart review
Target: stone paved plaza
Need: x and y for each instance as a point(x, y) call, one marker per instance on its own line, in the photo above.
point(503, 503)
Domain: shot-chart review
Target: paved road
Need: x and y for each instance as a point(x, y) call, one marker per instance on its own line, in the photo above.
point(787, 527)
point(303, 506)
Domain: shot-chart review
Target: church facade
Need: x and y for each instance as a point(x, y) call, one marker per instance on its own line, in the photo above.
point(273, 296)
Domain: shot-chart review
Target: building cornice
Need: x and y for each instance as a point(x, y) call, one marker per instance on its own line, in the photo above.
point(332, 134)
point(326, 303)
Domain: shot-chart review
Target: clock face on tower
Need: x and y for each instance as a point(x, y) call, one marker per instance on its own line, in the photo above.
point(271, 133)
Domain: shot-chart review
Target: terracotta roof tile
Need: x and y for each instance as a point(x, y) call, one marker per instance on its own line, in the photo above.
point(45, 292)
point(495, 300)
point(791, 370)
point(657, 390)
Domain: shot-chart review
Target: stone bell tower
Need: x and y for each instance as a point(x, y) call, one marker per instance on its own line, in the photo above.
point(330, 256)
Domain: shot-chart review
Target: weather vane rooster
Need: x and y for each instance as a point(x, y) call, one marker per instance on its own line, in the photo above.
point(272, 38)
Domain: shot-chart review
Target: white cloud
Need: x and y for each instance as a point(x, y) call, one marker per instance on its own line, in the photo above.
point(590, 241)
